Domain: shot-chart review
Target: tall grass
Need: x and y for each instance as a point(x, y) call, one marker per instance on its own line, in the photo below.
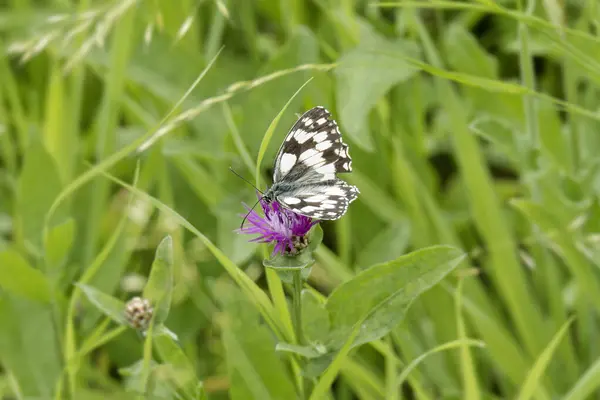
point(473, 124)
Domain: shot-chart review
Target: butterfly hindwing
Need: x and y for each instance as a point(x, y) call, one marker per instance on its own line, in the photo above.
point(328, 200)
point(314, 143)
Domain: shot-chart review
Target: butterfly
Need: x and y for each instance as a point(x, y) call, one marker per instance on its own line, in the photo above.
point(304, 179)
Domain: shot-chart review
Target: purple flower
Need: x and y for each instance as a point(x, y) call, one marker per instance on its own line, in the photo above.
point(280, 225)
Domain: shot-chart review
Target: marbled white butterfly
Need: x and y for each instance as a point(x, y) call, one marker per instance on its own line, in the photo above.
point(304, 178)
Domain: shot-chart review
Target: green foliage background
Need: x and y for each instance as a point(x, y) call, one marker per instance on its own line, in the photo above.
point(472, 124)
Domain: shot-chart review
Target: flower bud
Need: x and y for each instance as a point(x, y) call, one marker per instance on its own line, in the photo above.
point(138, 313)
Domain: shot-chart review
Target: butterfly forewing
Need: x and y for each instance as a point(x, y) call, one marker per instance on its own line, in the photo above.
point(306, 164)
point(314, 143)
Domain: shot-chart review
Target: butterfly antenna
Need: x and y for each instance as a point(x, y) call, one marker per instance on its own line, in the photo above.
point(246, 180)
point(248, 213)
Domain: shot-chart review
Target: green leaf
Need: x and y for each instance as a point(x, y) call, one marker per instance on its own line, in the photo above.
point(160, 387)
point(364, 75)
point(58, 242)
point(289, 263)
point(325, 381)
point(28, 346)
point(314, 367)
point(497, 131)
point(465, 53)
point(38, 186)
point(553, 141)
point(446, 346)
point(264, 144)
point(315, 319)
point(588, 383)
point(380, 295)
point(110, 306)
point(468, 371)
point(315, 238)
point(304, 351)
point(170, 352)
point(539, 367)
point(21, 279)
point(59, 135)
point(159, 288)
point(388, 245)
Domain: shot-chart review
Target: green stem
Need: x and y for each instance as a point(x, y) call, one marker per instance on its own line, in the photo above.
point(297, 311)
point(297, 304)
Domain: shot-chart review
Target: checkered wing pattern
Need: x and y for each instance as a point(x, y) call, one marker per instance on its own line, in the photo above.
point(306, 166)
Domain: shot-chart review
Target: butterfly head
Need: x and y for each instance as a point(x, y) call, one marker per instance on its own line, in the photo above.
point(268, 196)
point(275, 191)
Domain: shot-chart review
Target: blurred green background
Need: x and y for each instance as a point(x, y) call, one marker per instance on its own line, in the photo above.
point(472, 123)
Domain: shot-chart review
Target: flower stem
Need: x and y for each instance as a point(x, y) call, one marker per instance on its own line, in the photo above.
point(297, 311)
point(297, 305)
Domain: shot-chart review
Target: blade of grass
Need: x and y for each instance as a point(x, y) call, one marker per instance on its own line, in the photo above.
point(326, 380)
point(533, 380)
point(587, 384)
point(392, 389)
point(446, 346)
point(264, 144)
point(237, 139)
point(469, 377)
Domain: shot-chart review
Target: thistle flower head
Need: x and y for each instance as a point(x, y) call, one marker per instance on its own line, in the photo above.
point(279, 225)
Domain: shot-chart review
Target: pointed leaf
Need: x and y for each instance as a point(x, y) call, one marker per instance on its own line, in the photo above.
point(38, 186)
point(364, 75)
point(159, 288)
point(587, 384)
point(315, 319)
point(21, 279)
point(269, 133)
point(537, 371)
point(304, 351)
point(388, 245)
point(466, 54)
point(380, 295)
point(326, 379)
point(28, 346)
point(446, 346)
point(58, 242)
point(110, 306)
point(171, 353)
point(289, 263)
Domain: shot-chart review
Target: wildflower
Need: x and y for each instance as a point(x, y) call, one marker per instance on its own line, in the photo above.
point(138, 313)
point(284, 227)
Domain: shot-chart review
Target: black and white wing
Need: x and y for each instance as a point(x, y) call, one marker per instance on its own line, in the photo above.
point(306, 164)
point(313, 145)
point(325, 200)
